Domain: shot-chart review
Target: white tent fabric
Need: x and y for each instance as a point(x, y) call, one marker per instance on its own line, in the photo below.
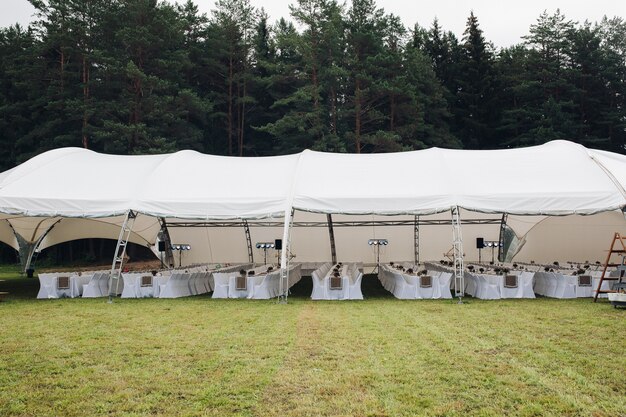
point(556, 178)
point(79, 186)
point(73, 182)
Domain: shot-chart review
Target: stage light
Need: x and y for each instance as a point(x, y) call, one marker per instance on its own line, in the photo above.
point(265, 246)
point(180, 247)
point(378, 243)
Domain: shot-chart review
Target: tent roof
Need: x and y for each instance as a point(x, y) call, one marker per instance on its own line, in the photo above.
point(556, 178)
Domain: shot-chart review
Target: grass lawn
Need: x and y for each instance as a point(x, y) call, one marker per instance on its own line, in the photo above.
point(378, 357)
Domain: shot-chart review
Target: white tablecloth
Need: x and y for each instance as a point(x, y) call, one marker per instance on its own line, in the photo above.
point(48, 285)
point(262, 285)
point(350, 289)
point(409, 286)
point(133, 287)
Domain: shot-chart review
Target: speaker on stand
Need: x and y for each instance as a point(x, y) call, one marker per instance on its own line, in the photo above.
point(278, 245)
point(480, 244)
point(161, 248)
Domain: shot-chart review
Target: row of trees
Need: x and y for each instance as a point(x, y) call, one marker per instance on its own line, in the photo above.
point(143, 76)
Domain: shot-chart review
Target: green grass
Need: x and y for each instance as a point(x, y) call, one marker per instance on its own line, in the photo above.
point(379, 357)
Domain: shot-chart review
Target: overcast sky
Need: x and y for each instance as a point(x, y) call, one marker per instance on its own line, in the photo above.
point(503, 22)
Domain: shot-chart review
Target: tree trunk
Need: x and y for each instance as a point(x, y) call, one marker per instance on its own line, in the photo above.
point(230, 106)
point(392, 112)
point(62, 71)
point(333, 110)
point(85, 101)
point(357, 119)
point(242, 117)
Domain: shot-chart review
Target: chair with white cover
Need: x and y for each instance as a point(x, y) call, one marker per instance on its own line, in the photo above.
point(354, 287)
point(98, 286)
point(404, 286)
point(204, 282)
point(78, 282)
point(488, 287)
point(471, 283)
point(264, 287)
point(565, 286)
point(383, 277)
point(319, 289)
point(158, 282)
point(221, 282)
point(175, 287)
point(444, 280)
point(132, 282)
point(294, 275)
point(525, 281)
point(606, 285)
point(545, 283)
point(194, 284)
point(47, 286)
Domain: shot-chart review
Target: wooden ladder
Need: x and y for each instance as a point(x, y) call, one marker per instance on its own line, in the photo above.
point(620, 250)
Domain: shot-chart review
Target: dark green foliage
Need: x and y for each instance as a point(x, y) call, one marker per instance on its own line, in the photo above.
point(148, 76)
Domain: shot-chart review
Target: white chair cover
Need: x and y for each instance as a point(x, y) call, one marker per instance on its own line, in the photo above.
point(444, 280)
point(98, 286)
point(221, 280)
point(177, 286)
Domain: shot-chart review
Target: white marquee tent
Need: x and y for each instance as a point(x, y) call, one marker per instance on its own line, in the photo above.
point(73, 193)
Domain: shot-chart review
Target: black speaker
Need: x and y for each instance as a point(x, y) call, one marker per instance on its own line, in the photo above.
point(480, 242)
point(161, 246)
point(278, 244)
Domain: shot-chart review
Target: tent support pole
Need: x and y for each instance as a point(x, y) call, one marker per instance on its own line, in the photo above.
point(501, 254)
point(459, 281)
point(246, 229)
point(120, 251)
point(331, 236)
point(165, 237)
point(28, 249)
point(416, 239)
point(283, 288)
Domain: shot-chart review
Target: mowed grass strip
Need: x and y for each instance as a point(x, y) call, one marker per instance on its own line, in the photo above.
point(378, 357)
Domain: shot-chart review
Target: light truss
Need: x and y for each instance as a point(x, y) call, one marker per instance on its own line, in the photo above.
point(325, 224)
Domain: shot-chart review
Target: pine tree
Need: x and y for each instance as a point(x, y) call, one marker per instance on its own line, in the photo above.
point(236, 20)
point(548, 69)
point(366, 26)
point(476, 111)
point(19, 84)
